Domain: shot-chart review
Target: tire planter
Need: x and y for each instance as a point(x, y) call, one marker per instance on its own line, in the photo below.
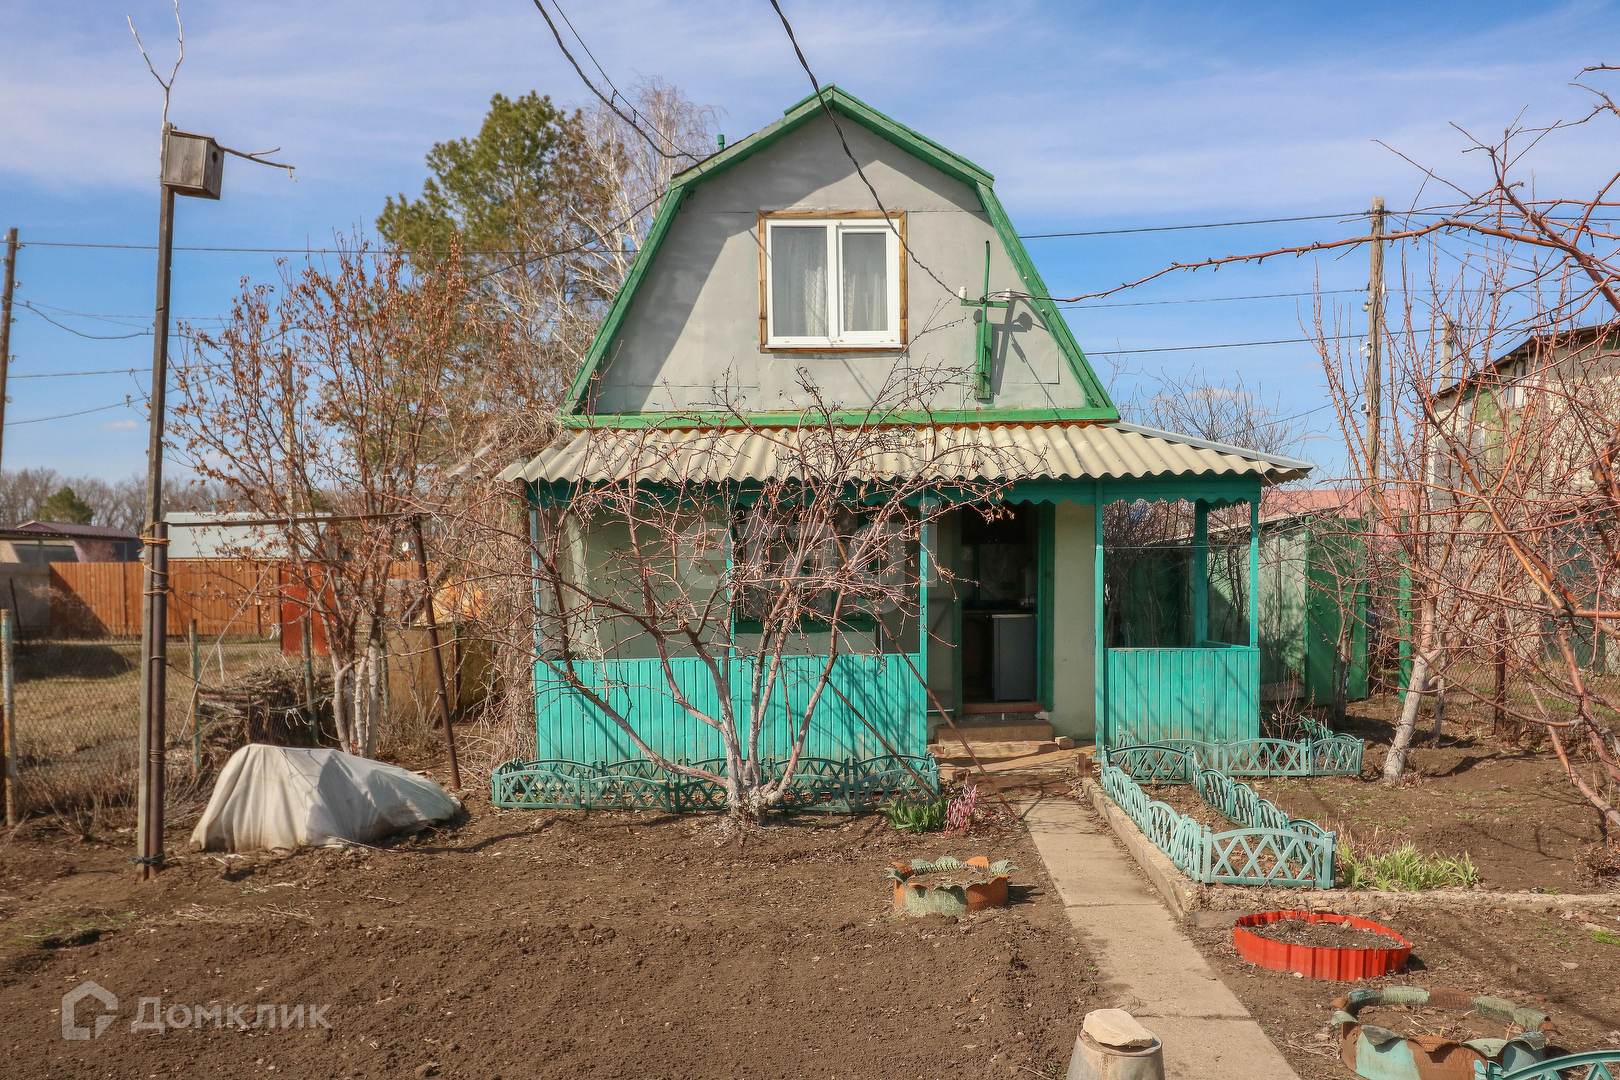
point(1319, 962)
point(916, 897)
point(1380, 1054)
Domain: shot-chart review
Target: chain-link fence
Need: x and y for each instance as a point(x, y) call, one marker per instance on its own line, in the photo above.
point(75, 714)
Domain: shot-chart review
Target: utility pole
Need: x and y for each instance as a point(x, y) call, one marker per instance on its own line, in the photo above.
point(5, 323)
point(1375, 343)
point(189, 165)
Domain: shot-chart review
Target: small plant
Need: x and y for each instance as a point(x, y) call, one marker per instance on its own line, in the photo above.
point(917, 815)
point(1606, 937)
point(1405, 869)
point(959, 814)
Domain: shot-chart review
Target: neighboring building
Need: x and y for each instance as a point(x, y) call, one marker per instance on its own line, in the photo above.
point(57, 541)
point(222, 541)
point(1576, 374)
point(771, 256)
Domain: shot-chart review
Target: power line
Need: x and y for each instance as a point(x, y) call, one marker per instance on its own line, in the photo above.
point(1226, 345)
point(603, 98)
point(1215, 299)
point(81, 333)
point(1178, 228)
point(63, 416)
point(72, 374)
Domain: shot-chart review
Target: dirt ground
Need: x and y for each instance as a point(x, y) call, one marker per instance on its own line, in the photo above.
point(1508, 806)
point(550, 944)
point(1566, 968)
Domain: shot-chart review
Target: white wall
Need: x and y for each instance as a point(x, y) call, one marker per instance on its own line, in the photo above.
point(1074, 638)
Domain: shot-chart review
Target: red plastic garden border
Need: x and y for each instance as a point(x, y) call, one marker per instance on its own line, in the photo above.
point(1318, 962)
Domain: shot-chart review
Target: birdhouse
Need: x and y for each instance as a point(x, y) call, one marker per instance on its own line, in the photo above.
point(192, 164)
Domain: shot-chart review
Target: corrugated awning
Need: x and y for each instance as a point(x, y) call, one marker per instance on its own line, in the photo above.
point(1001, 452)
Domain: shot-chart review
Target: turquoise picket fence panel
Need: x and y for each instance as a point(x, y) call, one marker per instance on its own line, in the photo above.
point(638, 784)
point(1209, 695)
point(885, 714)
point(1269, 848)
point(1166, 761)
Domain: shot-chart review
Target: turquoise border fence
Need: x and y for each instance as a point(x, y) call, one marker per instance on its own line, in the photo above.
point(637, 784)
point(1600, 1065)
point(880, 688)
point(1328, 755)
point(1211, 694)
point(1269, 849)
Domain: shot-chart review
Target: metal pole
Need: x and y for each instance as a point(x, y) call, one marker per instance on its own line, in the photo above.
point(5, 323)
point(196, 714)
point(154, 614)
point(1200, 574)
point(1375, 342)
point(155, 686)
point(433, 646)
point(8, 719)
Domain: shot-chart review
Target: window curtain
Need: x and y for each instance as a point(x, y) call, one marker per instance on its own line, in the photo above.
point(865, 267)
point(799, 281)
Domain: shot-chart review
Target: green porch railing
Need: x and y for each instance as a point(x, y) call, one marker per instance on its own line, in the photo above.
point(1209, 694)
point(818, 784)
point(1270, 849)
point(885, 714)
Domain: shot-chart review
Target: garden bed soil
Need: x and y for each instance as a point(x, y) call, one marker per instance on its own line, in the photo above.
point(1323, 935)
point(542, 944)
point(1510, 808)
point(1568, 968)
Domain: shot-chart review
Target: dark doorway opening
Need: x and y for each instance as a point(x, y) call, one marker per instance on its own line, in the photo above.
point(999, 617)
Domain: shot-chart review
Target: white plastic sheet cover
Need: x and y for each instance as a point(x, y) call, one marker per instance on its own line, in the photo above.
point(290, 797)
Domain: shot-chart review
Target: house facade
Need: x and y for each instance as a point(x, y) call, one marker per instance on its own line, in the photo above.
point(781, 281)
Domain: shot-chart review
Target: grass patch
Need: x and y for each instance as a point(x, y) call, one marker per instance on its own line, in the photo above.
point(1606, 937)
point(1404, 869)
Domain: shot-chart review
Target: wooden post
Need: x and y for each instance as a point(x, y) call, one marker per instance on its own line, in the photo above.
point(196, 714)
point(1375, 342)
point(312, 713)
point(8, 717)
point(5, 322)
point(1099, 672)
point(1254, 573)
point(1499, 695)
point(433, 646)
point(1200, 574)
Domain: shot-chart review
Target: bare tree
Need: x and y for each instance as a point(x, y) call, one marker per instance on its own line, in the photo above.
point(327, 404)
point(1496, 502)
point(741, 599)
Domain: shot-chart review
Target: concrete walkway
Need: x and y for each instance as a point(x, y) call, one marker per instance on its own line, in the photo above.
point(1146, 964)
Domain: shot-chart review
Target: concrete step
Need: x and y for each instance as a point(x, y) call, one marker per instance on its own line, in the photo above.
point(948, 751)
point(978, 731)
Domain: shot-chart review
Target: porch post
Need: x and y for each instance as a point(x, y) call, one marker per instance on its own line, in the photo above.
point(1099, 666)
point(1200, 572)
point(1254, 573)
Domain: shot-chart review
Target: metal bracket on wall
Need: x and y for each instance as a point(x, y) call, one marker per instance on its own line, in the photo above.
point(984, 356)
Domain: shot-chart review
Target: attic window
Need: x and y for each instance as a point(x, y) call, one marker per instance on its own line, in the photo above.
point(832, 282)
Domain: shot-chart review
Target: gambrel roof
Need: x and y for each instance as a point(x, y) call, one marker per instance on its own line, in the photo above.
point(1097, 407)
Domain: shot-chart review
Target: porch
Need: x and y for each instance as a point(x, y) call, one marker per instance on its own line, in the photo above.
point(1025, 613)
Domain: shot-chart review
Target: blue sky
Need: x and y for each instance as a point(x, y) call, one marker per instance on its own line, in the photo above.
point(1092, 116)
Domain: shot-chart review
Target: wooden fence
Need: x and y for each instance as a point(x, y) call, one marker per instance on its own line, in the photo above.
point(237, 597)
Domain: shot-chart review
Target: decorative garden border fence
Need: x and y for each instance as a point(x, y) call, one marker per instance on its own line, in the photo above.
point(1330, 755)
point(1270, 849)
point(638, 784)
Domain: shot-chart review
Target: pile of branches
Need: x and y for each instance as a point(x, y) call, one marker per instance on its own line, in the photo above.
point(266, 704)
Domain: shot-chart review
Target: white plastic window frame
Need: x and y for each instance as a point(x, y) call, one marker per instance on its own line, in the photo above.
point(839, 338)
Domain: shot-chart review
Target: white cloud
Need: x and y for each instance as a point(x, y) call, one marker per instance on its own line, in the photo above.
point(121, 425)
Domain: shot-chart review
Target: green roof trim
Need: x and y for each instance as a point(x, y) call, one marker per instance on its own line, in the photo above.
point(849, 418)
point(1099, 407)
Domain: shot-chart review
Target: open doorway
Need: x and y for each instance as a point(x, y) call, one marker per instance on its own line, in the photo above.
point(999, 617)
